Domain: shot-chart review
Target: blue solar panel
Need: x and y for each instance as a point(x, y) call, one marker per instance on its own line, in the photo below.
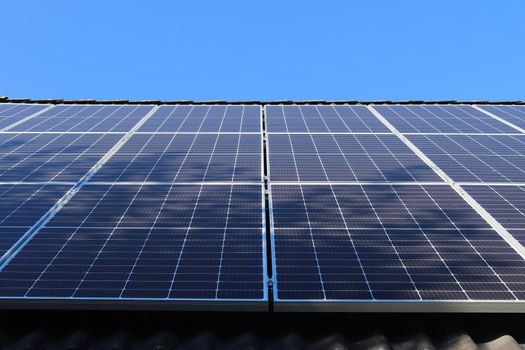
point(318, 157)
point(512, 114)
point(11, 113)
point(322, 118)
point(85, 118)
point(21, 207)
point(441, 119)
point(176, 215)
point(186, 158)
point(204, 119)
point(120, 242)
point(506, 204)
point(387, 243)
point(51, 157)
point(479, 158)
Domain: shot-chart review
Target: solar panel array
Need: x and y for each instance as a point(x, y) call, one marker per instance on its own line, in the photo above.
point(370, 208)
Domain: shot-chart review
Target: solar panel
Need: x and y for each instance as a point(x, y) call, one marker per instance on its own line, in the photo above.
point(147, 242)
point(322, 118)
point(21, 207)
point(350, 157)
point(441, 119)
point(85, 118)
point(506, 204)
point(11, 113)
point(512, 114)
point(338, 244)
point(194, 118)
point(476, 158)
point(174, 214)
point(186, 158)
point(51, 157)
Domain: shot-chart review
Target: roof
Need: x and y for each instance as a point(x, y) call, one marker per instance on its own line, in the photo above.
point(163, 330)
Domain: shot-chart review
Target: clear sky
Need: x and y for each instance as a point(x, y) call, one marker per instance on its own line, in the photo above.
point(241, 50)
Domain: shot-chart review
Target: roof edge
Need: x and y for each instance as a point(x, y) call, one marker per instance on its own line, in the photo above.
point(6, 99)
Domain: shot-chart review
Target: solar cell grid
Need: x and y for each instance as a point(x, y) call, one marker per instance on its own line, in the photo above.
point(204, 119)
point(441, 119)
point(318, 157)
point(21, 207)
point(51, 157)
point(11, 113)
point(322, 118)
point(512, 114)
point(85, 118)
point(133, 242)
point(506, 204)
point(186, 158)
point(381, 242)
point(479, 158)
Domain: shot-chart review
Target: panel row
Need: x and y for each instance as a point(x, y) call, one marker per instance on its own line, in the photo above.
point(279, 118)
point(11, 113)
point(122, 118)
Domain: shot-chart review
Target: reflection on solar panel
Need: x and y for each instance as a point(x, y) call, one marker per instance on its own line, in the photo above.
point(316, 157)
point(322, 119)
point(21, 207)
point(441, 119)
point(512, 114)
point(51, 157)
point(506, 204)
point(204, 119)
point(186, 158)
point(412, 208)
point(393, 243)
point(147, 241)
point(85, 118)
point(477, 158)
point(11, 113)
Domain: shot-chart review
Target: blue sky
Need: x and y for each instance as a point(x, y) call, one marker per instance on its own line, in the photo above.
point(241, 50)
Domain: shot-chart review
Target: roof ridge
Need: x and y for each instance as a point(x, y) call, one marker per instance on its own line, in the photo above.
point(250, 102)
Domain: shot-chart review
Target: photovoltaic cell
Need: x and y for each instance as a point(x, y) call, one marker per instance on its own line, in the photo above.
point(182, 242)
point(186, 158)
point(21, 207)
point(336, 157)
point(513, 114)
point(51, 157)
point(85, 118)
point(441, 119)
point(506, 204)
point(13, 112)
point(322, 118)
point(195, 118)
point(387, 243)
point(479, 158)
